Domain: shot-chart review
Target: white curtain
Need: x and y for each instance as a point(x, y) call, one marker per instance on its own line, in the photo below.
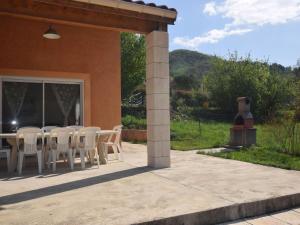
point(15, 93)
point(66, 95)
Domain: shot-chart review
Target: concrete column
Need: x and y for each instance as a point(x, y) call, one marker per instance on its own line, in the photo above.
point(158, 99)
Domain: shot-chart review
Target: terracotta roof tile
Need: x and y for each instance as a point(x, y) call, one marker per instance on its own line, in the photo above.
point(151, 5)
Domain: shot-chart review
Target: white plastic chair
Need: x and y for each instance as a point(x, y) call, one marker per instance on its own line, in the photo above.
point(48, 129)
point(60, 143)
point(75, 127)
point(29, 145)
point(115, 144)
point(87, 141)
point(7, 153)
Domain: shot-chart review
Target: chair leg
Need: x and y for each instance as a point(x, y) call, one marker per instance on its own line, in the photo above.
point(20, 162)
point(97, 157)
point(121, 152)
point(40, 161)
point(71, 161)
point(82, 155)
point(115, 148)
point(74, 155)
point(105, 149)
point(8, 159)
point(54, 158)
point(43, 159)
point(92, 156)
point(49, 158)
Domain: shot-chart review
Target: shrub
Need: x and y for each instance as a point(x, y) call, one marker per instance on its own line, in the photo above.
point(244, 77)
point(286, 133)
point(131, 122)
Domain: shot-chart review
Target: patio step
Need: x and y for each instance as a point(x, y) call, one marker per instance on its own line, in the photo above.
point(232, 212)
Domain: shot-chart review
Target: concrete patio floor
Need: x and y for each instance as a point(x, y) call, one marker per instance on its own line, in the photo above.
point(197, 189)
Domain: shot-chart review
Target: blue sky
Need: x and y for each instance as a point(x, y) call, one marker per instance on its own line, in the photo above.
point(267, 29)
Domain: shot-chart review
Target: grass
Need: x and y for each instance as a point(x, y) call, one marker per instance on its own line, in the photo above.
point(189, 135)
point(268, 152)
point(263, 156)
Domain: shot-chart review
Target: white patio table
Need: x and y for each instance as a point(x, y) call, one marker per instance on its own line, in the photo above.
point(11, 139)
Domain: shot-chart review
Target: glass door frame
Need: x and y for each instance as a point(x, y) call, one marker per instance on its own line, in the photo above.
point(43, 81)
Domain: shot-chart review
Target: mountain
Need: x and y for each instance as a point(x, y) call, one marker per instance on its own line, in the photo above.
point(189, 63)
point(186, 63)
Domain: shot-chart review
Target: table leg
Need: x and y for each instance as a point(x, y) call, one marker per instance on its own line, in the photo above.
point(101, 154)
point(14, 154)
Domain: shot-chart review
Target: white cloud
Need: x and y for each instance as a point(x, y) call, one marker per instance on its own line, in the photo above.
point(258, 12)
point(213, 36)
point(245, 15)
point(210, 8)
point(179, 19)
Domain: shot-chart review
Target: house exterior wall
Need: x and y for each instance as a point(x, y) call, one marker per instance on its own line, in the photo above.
point(92, 55)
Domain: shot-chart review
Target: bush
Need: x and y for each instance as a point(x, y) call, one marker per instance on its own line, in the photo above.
point(138, 111)
point(282, 134)
point(131, 122)
point(243, 77)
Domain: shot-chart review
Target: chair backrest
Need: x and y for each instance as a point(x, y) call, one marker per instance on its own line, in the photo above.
point(117, 134)
point(62, 138)
point(75, 127)
point(29, 137)
point(88, 136)
point(48, 128)
point(23, 128)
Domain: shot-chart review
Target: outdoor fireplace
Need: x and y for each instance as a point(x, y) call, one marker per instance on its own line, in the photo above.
point(243, 133)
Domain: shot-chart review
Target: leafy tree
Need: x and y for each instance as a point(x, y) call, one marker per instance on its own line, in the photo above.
point(133, 66)
point(243, 77)
point(297, 72)
point(279, 92)
point(185, 82)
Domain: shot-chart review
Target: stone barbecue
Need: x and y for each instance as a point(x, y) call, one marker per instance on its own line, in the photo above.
point(243, 133)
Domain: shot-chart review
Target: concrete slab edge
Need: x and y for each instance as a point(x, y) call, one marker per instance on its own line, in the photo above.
point(231, 212)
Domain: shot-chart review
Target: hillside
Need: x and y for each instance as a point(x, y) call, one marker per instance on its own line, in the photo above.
point(189, 63)
point(192, 63)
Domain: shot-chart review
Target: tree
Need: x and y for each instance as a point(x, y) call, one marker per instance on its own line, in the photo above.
point(133, 65)
point(243, 77)
point(297, 72)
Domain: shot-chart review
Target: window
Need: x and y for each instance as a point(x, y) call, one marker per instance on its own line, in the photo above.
point(34, 102)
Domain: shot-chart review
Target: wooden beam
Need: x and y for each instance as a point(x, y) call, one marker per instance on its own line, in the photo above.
point(77, 13)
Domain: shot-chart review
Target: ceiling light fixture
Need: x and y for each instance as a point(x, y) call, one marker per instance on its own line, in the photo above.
point(51, 33)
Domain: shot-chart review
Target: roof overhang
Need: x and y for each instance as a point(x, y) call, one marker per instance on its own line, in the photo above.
point(109, 14)
point(132, 6)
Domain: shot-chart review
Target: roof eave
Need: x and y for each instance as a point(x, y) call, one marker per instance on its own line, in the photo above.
point(131, 6)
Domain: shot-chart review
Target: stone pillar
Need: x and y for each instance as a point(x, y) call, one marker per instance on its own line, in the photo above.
point(158, 99)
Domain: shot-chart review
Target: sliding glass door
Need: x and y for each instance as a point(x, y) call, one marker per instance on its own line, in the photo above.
point(62, 104)
point(22, 105)
point(40, 103)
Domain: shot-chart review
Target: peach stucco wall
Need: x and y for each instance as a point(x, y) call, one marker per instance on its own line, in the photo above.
point(92, 55)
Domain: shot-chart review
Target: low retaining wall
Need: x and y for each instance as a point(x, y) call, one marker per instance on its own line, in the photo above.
point(134, 135)
point(232, 212)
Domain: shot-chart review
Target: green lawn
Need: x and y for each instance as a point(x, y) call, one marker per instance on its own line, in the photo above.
point(263, 156)
point(188, 135)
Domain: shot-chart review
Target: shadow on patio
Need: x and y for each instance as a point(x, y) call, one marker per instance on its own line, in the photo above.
point(42, 192)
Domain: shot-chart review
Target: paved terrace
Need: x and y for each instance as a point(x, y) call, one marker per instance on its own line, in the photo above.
point(196, 190)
